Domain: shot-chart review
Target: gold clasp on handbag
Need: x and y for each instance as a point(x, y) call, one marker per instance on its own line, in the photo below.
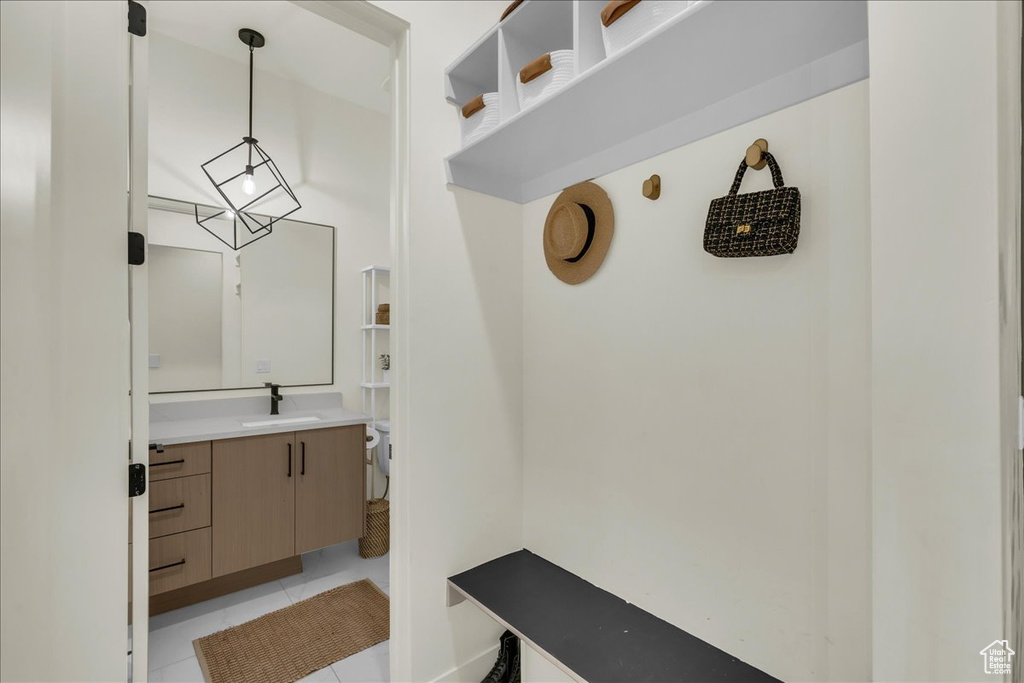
point(743, 229)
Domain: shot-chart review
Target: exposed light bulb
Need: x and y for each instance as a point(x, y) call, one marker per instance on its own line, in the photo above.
point(229, 215)
point(249, 184)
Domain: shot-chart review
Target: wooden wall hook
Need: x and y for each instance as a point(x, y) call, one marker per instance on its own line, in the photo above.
point(652, 187)
point(755, 154)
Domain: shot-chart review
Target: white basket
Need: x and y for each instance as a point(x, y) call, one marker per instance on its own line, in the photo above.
point(638, 21)
point(562, 71)
point(482, 120)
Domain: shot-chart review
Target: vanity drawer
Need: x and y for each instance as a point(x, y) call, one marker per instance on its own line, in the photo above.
point(177, 505)
point(179, 460)
point(179, 560)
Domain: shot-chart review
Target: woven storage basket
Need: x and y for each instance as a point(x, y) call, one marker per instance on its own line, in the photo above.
point(641, 19)
point(482, 122)
point(383, 314)
point(377, 539)
point(563, 70)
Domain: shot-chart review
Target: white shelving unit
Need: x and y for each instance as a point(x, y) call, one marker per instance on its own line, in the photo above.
point(375, 278)
point(715, 65)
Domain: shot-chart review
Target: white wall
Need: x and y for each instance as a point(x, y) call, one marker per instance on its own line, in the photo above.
point(696, 434)
point(461, 449)
point(333, 153)
point(944, 304)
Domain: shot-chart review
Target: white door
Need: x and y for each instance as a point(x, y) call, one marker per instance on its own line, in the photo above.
point(64, 340)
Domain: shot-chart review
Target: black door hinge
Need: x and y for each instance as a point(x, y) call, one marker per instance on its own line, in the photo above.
point(136, 479)
point(136, 18)
point(136, 249)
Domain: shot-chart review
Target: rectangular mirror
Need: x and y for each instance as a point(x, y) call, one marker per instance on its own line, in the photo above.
point(224, 319)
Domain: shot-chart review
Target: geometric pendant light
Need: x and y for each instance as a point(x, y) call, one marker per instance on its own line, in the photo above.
point(249, 179)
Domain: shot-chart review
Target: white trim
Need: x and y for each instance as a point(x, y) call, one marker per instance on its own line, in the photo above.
point(401, 604)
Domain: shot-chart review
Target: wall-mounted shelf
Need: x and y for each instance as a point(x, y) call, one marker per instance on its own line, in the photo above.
point(376, 281)
point(692, 77)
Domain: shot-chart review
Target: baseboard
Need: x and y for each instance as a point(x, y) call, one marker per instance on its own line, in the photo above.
point(473, 670)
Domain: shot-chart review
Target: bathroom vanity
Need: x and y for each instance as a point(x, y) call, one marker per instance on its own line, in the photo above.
point(232, 506)
point(237, 491)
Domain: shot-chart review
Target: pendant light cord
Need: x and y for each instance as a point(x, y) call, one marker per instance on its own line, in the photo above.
point(250, 99)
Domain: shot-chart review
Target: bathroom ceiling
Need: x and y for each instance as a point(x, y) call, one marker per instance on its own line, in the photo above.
point(301, 46)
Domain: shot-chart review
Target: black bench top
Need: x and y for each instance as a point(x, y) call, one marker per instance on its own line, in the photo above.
point(592, 633)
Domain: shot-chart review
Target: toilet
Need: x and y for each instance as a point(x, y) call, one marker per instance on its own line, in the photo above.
point(384, 447)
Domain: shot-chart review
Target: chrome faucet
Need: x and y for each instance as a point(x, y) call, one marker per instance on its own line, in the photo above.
point(275, 396)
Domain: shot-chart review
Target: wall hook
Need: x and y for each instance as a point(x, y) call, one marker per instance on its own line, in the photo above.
point(755, 154)
point(652, 187)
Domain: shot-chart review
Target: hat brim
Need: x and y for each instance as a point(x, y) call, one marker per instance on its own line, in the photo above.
point(597, 199)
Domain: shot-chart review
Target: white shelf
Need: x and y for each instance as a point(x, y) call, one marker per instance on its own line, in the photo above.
point(374, 344)
point(692, 77)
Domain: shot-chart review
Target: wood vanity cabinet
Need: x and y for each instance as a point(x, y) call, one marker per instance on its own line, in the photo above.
point(253, 501)
point(179, 516)
point(179, 560)
point(233, 513)
point(179, 504)
point(282, 495)
point(329, 491)
point(179, 460)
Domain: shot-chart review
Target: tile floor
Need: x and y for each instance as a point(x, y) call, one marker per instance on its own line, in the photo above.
point(172, 658)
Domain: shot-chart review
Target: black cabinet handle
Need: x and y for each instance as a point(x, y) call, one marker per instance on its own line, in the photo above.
point(169, 462)
point(303, 470)
point(173, 507)
point(168, 566)
point(289, 460)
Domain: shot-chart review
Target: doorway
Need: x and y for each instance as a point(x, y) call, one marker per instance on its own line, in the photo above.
point(188, 30)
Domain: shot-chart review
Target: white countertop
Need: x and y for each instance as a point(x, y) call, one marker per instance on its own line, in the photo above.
point(208, 420)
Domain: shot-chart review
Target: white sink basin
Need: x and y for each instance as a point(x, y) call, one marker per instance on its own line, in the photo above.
point(282, 421)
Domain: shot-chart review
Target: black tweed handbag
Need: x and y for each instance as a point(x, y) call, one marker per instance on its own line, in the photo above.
point(757, 223)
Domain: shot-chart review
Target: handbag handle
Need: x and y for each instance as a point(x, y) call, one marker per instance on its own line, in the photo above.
point(772, 164)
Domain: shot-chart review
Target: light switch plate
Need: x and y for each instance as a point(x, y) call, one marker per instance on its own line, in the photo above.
point(262, 366)
point(154, 360)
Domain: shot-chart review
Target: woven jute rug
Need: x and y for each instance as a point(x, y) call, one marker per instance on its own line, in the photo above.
point(295, 641)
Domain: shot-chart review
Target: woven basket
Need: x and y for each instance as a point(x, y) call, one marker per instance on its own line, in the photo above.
point(377, 539)
point(383, 314)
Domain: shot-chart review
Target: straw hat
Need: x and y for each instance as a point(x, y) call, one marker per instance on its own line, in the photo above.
point(578, 232)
